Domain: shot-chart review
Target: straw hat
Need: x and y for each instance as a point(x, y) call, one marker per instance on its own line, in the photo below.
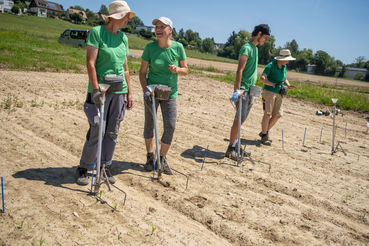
point(285, 55)
point(164, 20)
point(119, 9)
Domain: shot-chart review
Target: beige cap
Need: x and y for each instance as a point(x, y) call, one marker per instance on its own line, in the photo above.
point(285, 55)
point(119, 9)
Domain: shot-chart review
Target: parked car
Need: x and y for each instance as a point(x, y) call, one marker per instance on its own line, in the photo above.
point(74, 37)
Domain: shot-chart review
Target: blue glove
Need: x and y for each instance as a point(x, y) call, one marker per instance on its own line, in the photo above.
point(234, 97)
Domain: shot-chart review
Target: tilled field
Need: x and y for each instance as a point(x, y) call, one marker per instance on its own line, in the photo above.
point(301, 195)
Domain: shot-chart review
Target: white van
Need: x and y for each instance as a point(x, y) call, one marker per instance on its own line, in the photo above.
point(74, 37)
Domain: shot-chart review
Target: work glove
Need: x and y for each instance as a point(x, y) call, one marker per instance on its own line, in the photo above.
point(96, 96)
point(234, 97)
point(147, 95)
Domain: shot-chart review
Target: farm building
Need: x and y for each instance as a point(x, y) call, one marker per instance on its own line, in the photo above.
point(352, 72)
point(44, 8)
point(147, 28)
point(6, 6)
point(310, 68)
point(76, 11)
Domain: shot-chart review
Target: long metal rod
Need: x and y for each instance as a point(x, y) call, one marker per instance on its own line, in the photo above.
point(303, 141)
point(2, 193)
point(156, 138)
point(92, 178)
point(239, 129)
point(282, 141)
point(99, 148)
point(334, 128)
point(203, 161)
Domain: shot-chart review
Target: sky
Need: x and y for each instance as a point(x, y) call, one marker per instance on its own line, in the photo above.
point(338, 27)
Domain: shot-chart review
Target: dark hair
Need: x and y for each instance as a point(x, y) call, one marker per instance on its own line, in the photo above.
point(263, 28)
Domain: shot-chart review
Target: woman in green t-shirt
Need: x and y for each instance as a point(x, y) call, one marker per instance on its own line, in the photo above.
point(165, 59)
point(276, 83)
point(106, 55)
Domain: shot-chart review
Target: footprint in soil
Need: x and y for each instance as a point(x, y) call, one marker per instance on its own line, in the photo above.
point(198, 201)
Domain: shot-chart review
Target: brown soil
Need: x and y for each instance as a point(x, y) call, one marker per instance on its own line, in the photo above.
point(300, 196)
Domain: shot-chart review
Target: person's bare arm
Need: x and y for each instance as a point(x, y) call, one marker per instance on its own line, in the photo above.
point(128, 80)
point(91, 56)
point(181, 70)
point(142, 73)
point(264, 79)
point(241, 66)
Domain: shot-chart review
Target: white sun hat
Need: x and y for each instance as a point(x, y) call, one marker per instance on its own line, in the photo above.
point(285, 55)
point(164, 20)
point(119, 9)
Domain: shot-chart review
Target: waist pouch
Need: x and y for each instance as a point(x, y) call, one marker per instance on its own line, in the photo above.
point(255, 91)
point(162, 92)
point(115, 82)
point(283, 90)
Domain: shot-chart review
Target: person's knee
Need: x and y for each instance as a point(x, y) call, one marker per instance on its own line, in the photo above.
point(113, 135)
point(170, 128)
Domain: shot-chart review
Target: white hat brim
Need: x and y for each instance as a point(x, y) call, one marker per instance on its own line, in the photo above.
point(121, 15)
point(283, 58)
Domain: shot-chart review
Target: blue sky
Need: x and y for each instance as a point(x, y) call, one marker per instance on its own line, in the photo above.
point(339, 27)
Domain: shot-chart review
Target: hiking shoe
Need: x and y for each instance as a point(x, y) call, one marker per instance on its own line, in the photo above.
point(81, 176)
point(265, 140)
point(231, 153)
point(110, 177)
point(149, 166)
point(261, 135)
point(165, 167)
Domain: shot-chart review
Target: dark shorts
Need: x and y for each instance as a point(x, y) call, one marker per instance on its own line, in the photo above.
point(169, 113)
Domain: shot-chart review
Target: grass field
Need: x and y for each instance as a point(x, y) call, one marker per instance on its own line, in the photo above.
point(30, 43)
point(350, 99)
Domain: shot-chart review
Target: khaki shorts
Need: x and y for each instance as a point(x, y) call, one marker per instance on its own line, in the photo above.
point(272, 103)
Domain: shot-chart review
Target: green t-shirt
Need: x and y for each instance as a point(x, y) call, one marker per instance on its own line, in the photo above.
point(159, 60)
point(249, 73)
point(113, 49)
point(274, 74)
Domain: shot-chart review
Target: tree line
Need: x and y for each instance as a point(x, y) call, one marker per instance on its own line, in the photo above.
point(324, 63)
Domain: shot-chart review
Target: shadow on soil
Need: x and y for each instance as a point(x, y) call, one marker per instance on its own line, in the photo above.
point(61, 176)
point(247, 142)
point(198, 152)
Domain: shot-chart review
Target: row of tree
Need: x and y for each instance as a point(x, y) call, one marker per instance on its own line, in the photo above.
point(325, 64)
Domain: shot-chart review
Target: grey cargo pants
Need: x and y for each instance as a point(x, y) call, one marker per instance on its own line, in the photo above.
point(115, 107)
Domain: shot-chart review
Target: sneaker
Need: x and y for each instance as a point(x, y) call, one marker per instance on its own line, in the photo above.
point(109, 175)
point(265, 140)
point(149, 166)
point(166, 168)
point(81, 176)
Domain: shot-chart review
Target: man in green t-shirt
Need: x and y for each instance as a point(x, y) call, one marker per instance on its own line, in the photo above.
point(245, 78)
point(275, 82)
